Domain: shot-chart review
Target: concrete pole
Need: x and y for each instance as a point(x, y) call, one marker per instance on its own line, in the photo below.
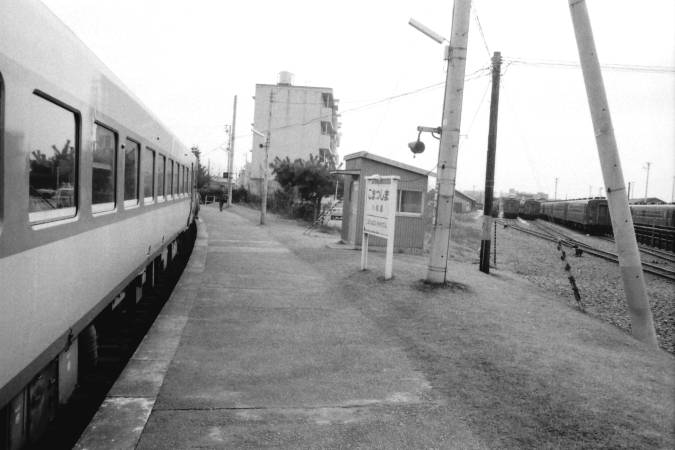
point(555, 193)
point(230, 157)
point(448, 148)
point(485, 242)
point(647, 180)
point(268, 138)
point(612, 174)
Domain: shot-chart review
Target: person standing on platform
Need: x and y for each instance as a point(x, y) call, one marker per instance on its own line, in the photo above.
point(221, 199)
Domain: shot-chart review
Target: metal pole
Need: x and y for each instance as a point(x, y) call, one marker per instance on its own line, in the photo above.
point(448, 148)
point(490, 165)
point(612, 174)
point(263, 201)
point(555, 194)
point(230, 157)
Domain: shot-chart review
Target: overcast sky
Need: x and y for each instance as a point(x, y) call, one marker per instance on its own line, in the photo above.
point(187, 59)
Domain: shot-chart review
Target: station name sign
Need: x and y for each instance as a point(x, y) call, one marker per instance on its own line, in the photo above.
point(379, 217)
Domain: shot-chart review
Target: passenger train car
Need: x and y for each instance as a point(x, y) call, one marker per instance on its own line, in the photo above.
point(530, 209)
point(94, 193)
point(590, 215)
point(653, 215)
point(510, 207)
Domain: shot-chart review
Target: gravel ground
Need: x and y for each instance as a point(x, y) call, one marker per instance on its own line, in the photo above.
point(599, 281)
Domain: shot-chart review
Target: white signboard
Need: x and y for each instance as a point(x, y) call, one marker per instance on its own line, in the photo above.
point(379, 217)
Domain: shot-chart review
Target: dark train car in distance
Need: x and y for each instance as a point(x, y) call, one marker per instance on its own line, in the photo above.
point(510, 208)
point(589, 215)
point(530, 209)
point(653, 215)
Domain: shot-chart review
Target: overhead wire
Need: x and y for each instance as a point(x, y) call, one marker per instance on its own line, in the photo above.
point(574, 65)
point(479, 73)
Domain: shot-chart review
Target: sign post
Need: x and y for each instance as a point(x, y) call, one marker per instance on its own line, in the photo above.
point(379, 217)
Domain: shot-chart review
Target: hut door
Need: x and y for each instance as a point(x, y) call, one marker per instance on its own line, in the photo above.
point(353, 210)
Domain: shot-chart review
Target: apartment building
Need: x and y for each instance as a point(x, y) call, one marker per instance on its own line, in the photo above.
point(303, 121)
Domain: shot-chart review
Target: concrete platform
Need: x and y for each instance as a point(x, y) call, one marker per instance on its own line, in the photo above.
point(258, 348)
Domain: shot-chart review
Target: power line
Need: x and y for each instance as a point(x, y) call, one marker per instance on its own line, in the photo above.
point(484, 71)
point(571, 64)
point(480, 28)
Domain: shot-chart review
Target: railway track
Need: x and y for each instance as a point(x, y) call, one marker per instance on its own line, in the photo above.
point(663, 254)
point(550, 234)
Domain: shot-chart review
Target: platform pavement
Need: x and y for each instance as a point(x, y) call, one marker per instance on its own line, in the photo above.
point(255, 349)
point(258, 348)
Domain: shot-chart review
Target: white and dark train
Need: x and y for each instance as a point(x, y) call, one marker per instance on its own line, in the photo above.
point(95, 196)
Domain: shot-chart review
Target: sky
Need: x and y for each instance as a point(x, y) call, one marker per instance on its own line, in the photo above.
point(187, 60)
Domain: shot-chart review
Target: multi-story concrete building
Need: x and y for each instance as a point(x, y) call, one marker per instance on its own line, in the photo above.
point(303, 121)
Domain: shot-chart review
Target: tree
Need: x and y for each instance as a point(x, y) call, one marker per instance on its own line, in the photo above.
point(311, 178)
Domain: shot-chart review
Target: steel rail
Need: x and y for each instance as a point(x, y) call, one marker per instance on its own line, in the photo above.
point(573, 243)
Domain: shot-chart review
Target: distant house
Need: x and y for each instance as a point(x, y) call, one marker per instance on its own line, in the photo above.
point(646, 201)
point(463, 203)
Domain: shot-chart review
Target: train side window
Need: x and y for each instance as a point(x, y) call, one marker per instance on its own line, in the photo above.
point(161, 169)
point(148, 169)
point(103, 169)
point(131, 156)
point(185, 179)
point(179, 177)
point(169, 178)
point(174, 184)
point(53, 155)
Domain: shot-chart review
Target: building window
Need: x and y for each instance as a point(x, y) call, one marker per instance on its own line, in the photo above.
point(161, 180)
point(103, 169)
point(326, 127)
point(132, 153)
point(327, 100)
point(148, 169)
point(325, 155)
point(52, 178)
point(409, 202)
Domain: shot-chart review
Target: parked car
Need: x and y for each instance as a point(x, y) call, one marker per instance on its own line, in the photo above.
point(336, 211)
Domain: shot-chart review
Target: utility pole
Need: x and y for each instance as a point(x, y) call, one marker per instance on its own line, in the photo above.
point(629, 185)
point(555, 193)
point(449, 145)
point(268, 138)
point(230, 157)
point(612, 174)
point(647, 180)
point(490, 165)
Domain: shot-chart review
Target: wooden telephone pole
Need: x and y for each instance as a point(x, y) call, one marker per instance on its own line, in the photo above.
point(490, 165)
point(612, 174)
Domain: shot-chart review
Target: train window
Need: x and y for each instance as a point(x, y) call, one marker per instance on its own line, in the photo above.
point(53, 147)
point(148, 169)
point(179, 172)
point(409, 202)
point(161, 169)
point(103, 169)
point(169, 177)
point(174, 184)
point(131, 155)
point(185, 179)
